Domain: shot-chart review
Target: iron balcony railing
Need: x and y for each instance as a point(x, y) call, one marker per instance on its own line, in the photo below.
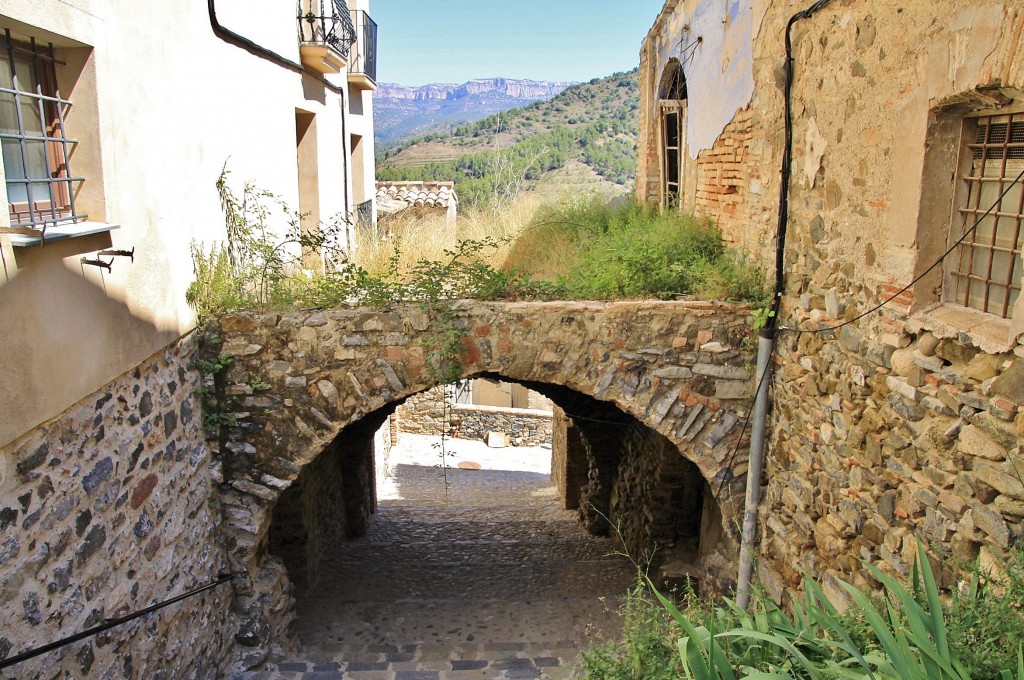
point(365, 61)
point(326, 22)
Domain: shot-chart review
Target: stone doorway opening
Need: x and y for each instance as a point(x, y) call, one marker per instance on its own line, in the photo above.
point(509, 561)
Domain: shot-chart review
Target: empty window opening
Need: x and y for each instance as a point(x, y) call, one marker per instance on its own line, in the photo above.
point(672, 111)
point(309, 182)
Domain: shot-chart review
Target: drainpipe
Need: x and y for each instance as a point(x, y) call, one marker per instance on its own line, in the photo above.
point(765, 347)
point(227, 35)
point(766, 338)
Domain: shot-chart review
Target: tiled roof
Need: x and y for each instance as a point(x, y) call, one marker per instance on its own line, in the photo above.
point(395, 196)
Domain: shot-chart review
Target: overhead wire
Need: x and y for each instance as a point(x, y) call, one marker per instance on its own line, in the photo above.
point(901, 291)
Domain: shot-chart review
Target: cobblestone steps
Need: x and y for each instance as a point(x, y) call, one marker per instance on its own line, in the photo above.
point(494, 581)
point(511, 660)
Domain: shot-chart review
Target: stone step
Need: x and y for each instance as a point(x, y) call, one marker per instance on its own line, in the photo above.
point(476, 552)
point(424, 662)
point(416, 529)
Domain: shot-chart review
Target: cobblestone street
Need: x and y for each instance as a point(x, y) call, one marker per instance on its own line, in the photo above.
point(493, 581)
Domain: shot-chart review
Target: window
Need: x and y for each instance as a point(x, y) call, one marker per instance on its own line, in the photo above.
point(36, 150)
point(670, 149)
point(672, 105)
point(986, 270)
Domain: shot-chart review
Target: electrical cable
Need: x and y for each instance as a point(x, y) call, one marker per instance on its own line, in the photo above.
point(739, 439)
point(956, 244)
point(769, 329)
point(595, 420)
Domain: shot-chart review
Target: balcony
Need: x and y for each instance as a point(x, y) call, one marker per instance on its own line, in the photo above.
point(363, 70)
point(326, 34)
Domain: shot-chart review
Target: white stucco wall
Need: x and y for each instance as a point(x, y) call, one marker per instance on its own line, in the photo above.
point(713, 42)
point(160, 106)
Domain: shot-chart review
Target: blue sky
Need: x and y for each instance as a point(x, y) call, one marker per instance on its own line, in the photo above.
point(452, 41)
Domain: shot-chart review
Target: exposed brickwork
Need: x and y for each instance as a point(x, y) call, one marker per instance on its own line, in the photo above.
point(724, 174)
point(904, 425)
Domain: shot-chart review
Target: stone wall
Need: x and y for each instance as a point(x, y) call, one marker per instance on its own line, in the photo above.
point(882, 441)
point(630, 482)
point(905, 424)
point(657, 496)
point(107, 509)
point(309, 519)
point(568, 460)
point(426, 413)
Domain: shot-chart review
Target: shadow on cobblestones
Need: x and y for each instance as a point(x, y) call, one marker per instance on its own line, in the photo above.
point(494, 581)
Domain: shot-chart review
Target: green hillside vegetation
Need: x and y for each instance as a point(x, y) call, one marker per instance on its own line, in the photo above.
point(492, 160)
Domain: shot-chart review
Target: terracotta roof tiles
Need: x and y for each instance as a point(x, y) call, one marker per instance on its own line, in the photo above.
point(394, 196)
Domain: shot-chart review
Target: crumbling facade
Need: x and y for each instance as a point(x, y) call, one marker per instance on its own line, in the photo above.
point(904, 424)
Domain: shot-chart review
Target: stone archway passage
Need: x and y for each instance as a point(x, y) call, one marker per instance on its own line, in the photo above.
point(489, 576)
point(679, 369)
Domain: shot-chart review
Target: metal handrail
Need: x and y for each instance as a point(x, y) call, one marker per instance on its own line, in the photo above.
point(108, 624)
point(331, 25)
point(365, 60)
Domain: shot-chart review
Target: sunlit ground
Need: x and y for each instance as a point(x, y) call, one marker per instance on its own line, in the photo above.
point(426, 451)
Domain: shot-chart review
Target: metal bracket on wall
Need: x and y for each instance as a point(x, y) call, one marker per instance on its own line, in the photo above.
point(98, 263)
point(119, 253)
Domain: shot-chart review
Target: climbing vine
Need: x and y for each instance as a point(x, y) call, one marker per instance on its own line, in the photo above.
point(211, 391)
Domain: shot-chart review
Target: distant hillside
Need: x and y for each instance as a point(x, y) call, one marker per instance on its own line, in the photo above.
point(400, 111)
point(594, 123)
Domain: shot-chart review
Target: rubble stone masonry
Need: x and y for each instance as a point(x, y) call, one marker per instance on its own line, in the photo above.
point(904, 425)
point(108, 509)
point(304, 382)
point(425, 413)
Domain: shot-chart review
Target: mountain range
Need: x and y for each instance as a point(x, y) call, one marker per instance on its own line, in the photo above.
point(587, 130)
point(401, 111)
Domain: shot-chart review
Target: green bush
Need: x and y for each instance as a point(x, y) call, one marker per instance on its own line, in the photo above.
point(646, 649)
point(580, 249)
point(599, 252)
point(906, 634)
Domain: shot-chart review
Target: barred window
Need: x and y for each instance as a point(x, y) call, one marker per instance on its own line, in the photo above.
point(987, 271)
point(36, 149)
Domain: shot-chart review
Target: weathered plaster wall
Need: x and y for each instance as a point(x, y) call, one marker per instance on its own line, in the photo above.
point(714, 43)
point(906, 424)
point(105, 510)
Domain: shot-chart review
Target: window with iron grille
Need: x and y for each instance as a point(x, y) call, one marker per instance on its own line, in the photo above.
point(987, 270)
point(36, 149)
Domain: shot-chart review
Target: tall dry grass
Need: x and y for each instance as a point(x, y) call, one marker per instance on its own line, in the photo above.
point(412, 236)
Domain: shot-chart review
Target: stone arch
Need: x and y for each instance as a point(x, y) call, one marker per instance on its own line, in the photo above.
point(300, 380)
